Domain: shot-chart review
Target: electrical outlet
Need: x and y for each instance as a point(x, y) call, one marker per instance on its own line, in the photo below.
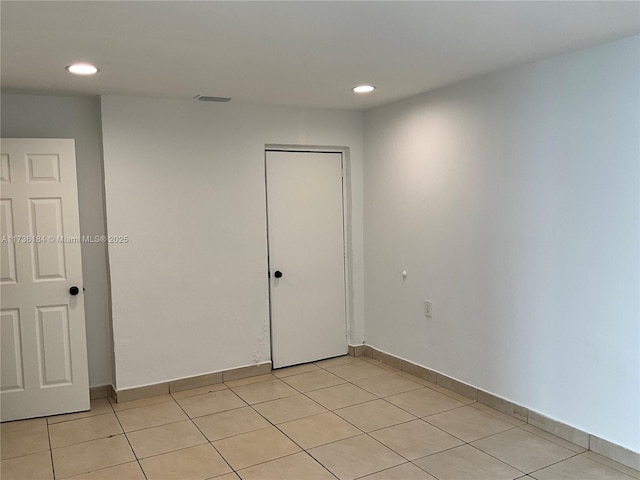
point(428, 308)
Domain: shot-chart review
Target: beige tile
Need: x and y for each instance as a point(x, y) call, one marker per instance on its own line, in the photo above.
point(502, 416)
point(374, 415)
point(296, 370)
point(466, 463)
point(23, 438)
point(98, 407)
point(450, 393)
point(126, 471)
point(387, 385)
point(209, 403)
point(558, 429)
point(22, 425)
point(264, 391)
point(146, 417)
point(199, 391)
point(36, 466)
point(318, 430)
point(355, 457)
point(356, 371)
point(385, 366)
point(255, 447)
point(502, 405)
point(468, 423)
point(143, 402)
point(596, 457)
point(406, 471)
point(458, 387)
point(195, 382)
point(89, 456)
point(229, 423)
point(523, 450)
point(165, 438)
point(387, 359)
point(579, 468)
point(306, 382)
point(424, 402)
point(615, 452)
point(368, 351)
point(194, 463)
point(227, 476)
point(341, 396)
point(250, 380)
point(289, 408)
point(417, 378)
point(246, 372)
point(552, 438)
point(293, 467)
point(419, 371)
point(415, 439)
point(83, 430)
point(140, 393)
point(334, 362)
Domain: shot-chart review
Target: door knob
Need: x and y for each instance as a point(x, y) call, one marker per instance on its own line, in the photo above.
point(278, 274)
point(74, 290)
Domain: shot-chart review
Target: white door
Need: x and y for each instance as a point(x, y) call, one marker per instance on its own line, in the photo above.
point(306, 256)
point(44, 352)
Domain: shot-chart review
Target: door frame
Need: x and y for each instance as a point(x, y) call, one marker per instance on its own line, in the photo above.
point(347, 234)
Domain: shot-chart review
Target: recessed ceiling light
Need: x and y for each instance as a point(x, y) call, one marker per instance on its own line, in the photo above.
point(81, 69)
point(364, 88)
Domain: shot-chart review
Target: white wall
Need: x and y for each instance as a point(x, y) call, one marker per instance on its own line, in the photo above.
point(513, 203)
point(185, 181)
point(41, 116)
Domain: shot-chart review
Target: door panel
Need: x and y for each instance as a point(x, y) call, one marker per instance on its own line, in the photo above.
point(11, 355)
point(53, 342)
point(306, 244)
point(47, 257)
point(44, 356)
point(7, 250)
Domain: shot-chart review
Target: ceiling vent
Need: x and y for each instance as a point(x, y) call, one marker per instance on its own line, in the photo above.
point(203, 98)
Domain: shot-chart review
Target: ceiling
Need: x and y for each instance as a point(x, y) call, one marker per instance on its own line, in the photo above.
point(290, 53)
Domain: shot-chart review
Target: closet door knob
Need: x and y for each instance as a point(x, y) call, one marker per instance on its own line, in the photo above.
point(278, 274)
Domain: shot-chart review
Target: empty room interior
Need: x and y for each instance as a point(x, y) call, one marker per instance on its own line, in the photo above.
point(320, 240)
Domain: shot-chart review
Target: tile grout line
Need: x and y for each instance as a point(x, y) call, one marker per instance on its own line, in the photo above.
point(512, 426)
point(287, 436)
point(554, 463)
point(347, 382)
point(408, 462)
point(421, 418)
point(91, 440)
point(610, 466)
point(496, 458)
point(53, 467)
point(291, 439)
point(247, 404)
point(368, 434)
point(300, 446)
point(202, 433)
point(305, 394)
point(144, 474)
point(362, 432)
point(584, 450)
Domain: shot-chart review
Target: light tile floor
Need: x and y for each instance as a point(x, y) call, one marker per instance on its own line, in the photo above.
point(345, 418)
